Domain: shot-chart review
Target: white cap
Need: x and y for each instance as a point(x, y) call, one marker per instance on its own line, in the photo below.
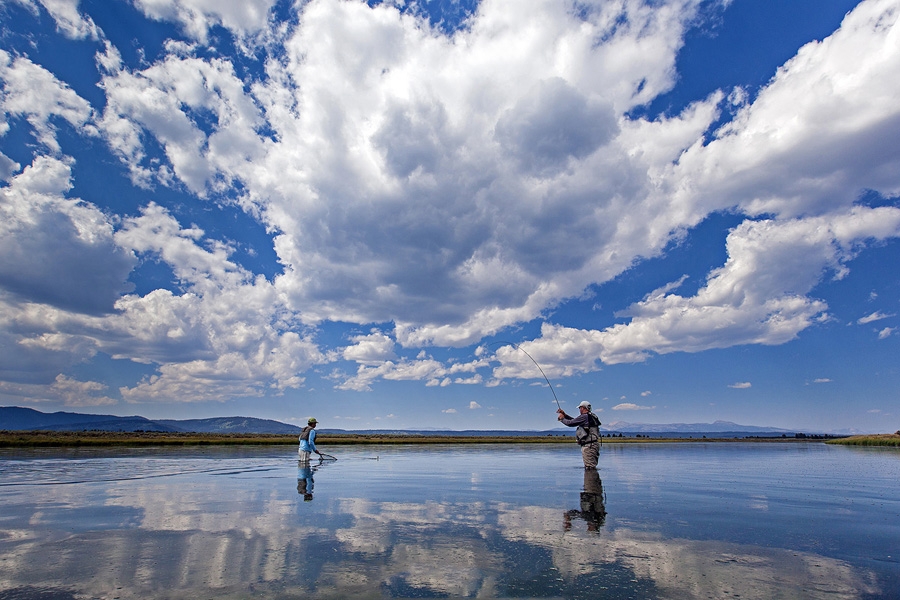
point(584, 404)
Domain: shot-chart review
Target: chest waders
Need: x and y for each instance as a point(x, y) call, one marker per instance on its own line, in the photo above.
point(590, 433)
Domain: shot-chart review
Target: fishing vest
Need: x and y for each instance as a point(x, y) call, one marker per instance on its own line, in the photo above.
point(304, 435)
point(590, 433)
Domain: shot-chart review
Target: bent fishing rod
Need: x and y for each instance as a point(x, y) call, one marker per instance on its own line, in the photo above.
point(517, 347)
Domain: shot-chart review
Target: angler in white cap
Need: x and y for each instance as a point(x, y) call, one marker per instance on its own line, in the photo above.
point(587, 434)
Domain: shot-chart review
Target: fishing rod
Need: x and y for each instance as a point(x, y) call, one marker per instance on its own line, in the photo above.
point(517, 347)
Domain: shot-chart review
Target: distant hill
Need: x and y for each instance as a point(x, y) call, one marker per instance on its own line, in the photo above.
point(15, 418)
point(715, 427)
point(231, 425)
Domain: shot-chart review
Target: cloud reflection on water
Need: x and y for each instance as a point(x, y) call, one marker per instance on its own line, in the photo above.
point(244, 534)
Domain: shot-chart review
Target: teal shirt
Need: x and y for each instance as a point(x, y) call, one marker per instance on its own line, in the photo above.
point(308, 441)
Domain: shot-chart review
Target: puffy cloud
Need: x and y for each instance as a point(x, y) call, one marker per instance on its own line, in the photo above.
point(422, 368)
point(81, 393)
point(631, 406)
point(32, 92)
point(743, 385)
point(451, 184)
point(551, 124)
point(400, 154)
point(371, 349)
point(395, 182)
point(226, 335)
point(72, 23)
point(7, 167)
point(197, 17)
point(173, 100)
point(64, 390)
point(822, 131)
point(759, 296)
point(57, 251)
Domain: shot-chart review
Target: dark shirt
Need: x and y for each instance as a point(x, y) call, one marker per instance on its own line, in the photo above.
point(580, 420)
point(588, 427)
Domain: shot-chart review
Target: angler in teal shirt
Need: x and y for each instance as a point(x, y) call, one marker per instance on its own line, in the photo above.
point(308, 440)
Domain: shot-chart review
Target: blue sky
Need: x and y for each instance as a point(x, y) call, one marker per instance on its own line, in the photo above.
point(684, 211)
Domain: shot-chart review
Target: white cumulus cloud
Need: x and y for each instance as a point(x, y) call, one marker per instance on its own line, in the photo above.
point(440, 187)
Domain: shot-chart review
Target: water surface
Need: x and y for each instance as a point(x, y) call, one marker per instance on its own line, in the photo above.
point(687, 520)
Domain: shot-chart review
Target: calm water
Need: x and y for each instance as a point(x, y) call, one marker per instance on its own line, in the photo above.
point(691, 520)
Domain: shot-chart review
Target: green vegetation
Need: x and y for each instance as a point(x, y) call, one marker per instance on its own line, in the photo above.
point(881, 439)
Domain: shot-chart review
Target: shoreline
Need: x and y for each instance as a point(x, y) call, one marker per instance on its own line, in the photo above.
point(47, 439)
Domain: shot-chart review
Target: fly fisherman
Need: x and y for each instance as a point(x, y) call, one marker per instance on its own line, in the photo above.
point(308, 440)
point(587, 434)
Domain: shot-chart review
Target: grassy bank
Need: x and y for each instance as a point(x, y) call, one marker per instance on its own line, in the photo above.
point(882, 439)
point(46, 439)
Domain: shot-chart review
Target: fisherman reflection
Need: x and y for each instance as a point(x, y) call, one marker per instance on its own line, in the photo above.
point(592, 510)
point(305, 481)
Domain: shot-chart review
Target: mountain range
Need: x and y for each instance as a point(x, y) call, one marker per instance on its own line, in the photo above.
point(714, 427)
point(14, 418)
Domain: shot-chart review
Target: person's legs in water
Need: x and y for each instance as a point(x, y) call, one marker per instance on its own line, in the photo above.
point(590, 453)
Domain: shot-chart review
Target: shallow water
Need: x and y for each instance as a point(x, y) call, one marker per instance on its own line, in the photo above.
point(687, 520)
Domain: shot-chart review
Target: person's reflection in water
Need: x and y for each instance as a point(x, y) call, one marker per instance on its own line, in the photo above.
point(305, 481)
point(592, 510)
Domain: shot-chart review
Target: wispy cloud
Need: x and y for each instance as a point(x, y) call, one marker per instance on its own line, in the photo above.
point(742, 385)
point(875, 316)
point(630, 406)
